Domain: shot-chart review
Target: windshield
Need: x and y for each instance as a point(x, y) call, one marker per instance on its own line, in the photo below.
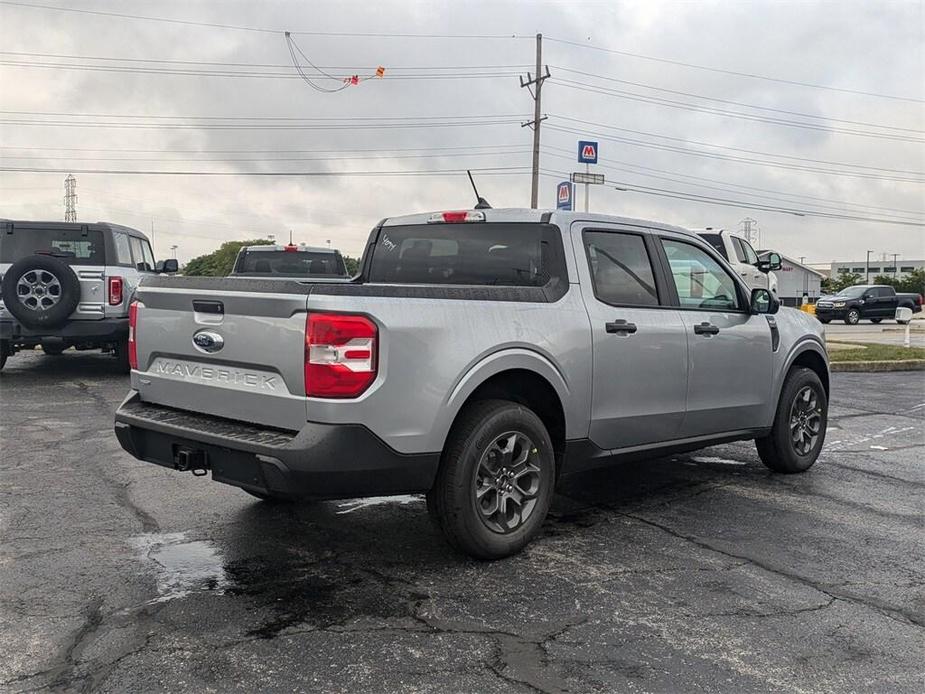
point(852, 292)
point(72, 246)
point(290, 264)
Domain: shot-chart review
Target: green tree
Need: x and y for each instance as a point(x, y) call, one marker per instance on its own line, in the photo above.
point(888, 281)
point(840, 281)
point(914, 282)
point(353, 265)
point(219, 262)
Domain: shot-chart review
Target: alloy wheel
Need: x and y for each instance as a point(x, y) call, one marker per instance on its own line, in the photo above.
point(38, 290)
point(507, 482)
point(805, 421)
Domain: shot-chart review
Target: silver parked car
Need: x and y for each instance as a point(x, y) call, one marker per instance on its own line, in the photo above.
point(67, 284)
point(478, 357)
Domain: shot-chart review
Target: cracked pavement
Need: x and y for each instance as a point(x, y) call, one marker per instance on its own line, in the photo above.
point(699, 572)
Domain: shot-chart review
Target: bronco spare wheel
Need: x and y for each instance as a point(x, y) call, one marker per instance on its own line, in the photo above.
point(40, 291)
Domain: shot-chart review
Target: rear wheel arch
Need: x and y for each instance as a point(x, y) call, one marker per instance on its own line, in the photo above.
point(528, 388)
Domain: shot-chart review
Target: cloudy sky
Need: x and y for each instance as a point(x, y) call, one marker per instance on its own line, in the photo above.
point(808, 120)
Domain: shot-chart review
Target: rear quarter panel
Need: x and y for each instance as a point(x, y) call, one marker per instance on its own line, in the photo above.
point(434, 352)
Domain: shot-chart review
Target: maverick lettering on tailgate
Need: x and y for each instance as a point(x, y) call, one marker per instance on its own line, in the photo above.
point(216, 374)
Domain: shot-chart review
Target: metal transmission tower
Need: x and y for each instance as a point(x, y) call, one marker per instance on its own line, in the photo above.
point(537, 119)
point(70, 198)
point(751, 231)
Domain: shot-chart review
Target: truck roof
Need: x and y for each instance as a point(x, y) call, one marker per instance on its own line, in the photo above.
point(309, 249)
point(40, 224)
point(527, 215)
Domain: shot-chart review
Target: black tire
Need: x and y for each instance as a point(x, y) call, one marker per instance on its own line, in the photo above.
point(853, 317)
point(875, 320)
point(473, 459)
point(59, 286)
point(120, 352)
point(53, 351)
point(5, 352)
point(902, 322)
point(825, 321)
point(778, 450)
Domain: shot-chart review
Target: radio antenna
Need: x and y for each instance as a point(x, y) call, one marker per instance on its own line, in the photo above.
point(481, 203)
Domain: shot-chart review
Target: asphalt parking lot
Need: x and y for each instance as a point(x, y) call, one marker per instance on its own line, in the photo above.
point(886, 333)
point(701, 572)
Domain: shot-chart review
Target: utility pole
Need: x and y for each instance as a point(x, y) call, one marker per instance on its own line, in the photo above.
point(895, 256)
point(537, 80)
point(70, 198)
point(152, 233)
point(867, 268)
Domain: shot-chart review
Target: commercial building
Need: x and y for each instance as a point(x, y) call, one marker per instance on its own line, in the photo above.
point(899, 270)
point(795, 280)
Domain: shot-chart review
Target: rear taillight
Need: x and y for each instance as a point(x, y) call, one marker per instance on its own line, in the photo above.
point(133, 334)
point(115, 291)
point(340, 355)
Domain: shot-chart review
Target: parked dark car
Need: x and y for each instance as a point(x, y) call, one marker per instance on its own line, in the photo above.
point(865, 301)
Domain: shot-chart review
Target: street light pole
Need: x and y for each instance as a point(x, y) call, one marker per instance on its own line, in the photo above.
point(867, 268)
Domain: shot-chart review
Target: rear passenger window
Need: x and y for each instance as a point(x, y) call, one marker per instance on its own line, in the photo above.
point(123, 252)
point(620, 268)
point(497, 254)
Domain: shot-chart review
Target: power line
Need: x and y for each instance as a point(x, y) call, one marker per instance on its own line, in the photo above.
point(392, 68)
point(238, 27)
point(644, 98)
point(731, 102)
point(842, 205)
point(258, 126)
point(744, 204)
point(254, 151)
point(291, 74)
point(485, 171)
point(277, 159)
point(735, 73)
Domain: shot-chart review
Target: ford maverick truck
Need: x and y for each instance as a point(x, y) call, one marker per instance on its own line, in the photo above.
point(478, 357)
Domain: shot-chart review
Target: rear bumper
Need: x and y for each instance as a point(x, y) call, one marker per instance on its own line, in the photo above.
point(324, 461)
point(103, 330)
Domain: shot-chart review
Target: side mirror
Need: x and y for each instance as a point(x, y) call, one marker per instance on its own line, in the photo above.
point(168, 266)
point(763, 301)
point(775, 261)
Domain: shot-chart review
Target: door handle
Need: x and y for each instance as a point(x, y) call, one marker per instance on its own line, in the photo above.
point(620, 327)
point(705, 329)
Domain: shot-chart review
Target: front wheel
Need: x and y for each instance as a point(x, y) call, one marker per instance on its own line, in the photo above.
point(495, 481)
point(825, 321)
point(53, 350)
point(798, 432)
point(875, 320)
point(852, 317)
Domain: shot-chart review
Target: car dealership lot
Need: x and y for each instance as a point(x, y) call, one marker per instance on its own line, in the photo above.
point(697, 573)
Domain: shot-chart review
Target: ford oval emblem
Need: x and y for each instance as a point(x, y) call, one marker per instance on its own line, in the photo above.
point(208, 341)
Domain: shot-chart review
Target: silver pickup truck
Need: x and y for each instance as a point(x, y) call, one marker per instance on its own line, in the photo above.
point(478, 356)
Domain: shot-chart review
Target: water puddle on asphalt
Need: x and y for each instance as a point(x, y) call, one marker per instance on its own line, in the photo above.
point(181, 566)
point(357, 504)
point(716, 461)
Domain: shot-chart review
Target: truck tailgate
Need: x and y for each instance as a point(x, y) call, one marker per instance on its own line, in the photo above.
point(247, 362)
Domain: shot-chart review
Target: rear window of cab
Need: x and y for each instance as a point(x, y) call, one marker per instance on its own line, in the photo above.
point(494, 254)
